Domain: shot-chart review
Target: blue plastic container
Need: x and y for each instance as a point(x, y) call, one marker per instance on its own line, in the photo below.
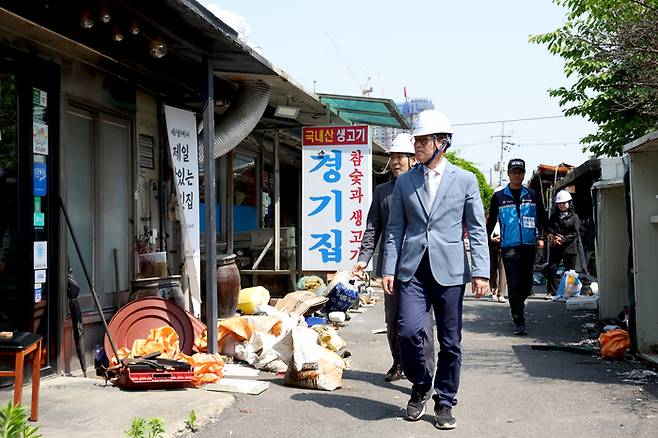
point(315, 320)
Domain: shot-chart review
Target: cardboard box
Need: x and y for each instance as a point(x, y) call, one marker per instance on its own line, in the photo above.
point(300, 302)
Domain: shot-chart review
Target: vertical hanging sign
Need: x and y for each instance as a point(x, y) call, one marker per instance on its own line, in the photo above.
point(336, 169)
point(181, 131)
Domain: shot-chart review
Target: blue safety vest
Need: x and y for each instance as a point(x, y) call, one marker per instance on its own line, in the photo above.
point(517, 228)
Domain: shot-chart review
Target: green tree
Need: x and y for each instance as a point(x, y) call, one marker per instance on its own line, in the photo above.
point(609, 49)
point(485, 189)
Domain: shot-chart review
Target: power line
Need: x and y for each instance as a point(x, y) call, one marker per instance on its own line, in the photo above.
point(459, 145)
point(479, 142)
point(556, 143)
point(509, 120)
point(519, 144)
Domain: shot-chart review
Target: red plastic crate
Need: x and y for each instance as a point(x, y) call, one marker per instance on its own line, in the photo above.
point(153, 379)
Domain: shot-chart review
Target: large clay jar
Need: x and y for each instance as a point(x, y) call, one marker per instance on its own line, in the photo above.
point(228, 286)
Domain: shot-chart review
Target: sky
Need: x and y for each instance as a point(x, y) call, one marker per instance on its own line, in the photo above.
point(471, 58)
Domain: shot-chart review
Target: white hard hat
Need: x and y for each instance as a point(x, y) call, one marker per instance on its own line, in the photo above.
point(402, 144)
point(563, 196)
point(431, 122)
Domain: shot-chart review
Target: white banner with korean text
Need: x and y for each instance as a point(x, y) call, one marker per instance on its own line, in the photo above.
point(181, 131)
point(336, 192)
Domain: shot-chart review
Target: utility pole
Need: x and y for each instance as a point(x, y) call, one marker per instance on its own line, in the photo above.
point(504, 147)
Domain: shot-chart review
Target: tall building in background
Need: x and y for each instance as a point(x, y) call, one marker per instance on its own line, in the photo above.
point(410, 109)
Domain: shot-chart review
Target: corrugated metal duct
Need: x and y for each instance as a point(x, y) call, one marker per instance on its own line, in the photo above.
point(240, 119)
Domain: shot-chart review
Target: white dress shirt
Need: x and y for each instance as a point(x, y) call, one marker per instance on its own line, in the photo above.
point(433, 179)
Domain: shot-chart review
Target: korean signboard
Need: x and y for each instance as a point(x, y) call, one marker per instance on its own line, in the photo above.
point(181, 131)
point(336, 168)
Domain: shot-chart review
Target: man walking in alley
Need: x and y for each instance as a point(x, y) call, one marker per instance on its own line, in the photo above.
point(401, 159)
point(521, 222)
point(425, 262)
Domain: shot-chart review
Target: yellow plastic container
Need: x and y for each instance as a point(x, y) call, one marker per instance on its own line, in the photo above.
point(251, 297)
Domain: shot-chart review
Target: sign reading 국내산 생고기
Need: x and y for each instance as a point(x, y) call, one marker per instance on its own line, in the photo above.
point(336, 181)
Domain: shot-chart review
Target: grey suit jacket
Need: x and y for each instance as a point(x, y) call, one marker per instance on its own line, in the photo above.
point(376, 224)
point(415, 227)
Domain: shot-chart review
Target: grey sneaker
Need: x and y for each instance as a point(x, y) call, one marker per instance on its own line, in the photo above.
point(416, 404)
point(443, 418)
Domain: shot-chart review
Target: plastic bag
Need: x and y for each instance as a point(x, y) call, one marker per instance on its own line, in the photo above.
point(208, 368)
point(266, 324)
point(312, 283)
point(341, 298)
point(538, 279)
point(614, 343)
point(340, 277)
point(229, 331)
point(313, 366)
point(329, 338)
point(570, 286)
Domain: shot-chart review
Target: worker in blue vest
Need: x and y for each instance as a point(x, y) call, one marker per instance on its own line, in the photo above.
point(521, 227)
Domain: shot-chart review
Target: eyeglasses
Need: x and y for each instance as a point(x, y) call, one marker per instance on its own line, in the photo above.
point(424, 141)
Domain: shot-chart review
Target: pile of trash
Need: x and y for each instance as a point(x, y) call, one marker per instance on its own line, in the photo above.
point(638, 376)
point(282, 342)
point(575, 294)
point(207, 368)
point(298, 336)
point(608, 338)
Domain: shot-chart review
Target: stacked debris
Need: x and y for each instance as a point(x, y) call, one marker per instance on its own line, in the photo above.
point(162, 348)
point(298, 336)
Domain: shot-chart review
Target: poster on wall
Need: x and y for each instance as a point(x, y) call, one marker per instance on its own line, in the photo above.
point(40, 255)
point(38, 293)
point(181, 132)
point(39, 220)
point(336, 185)
point(40, 138)
point(39, 97)
point(40, 276)
point(39, 176)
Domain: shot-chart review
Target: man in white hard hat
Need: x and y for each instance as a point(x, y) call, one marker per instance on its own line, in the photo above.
point(401, 159)
point(425, 262)
point(521, 227)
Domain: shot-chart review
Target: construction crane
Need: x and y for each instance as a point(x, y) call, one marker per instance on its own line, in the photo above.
point(365, 89)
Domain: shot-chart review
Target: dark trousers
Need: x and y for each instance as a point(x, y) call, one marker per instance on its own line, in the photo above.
point(417, 297)
point(494, 254)
point(519, 262)
point(552, 279)
point(392, 312)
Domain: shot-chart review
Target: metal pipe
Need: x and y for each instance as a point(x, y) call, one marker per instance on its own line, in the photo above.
point(210, 202)
point(91, 286)
point(277, 205)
